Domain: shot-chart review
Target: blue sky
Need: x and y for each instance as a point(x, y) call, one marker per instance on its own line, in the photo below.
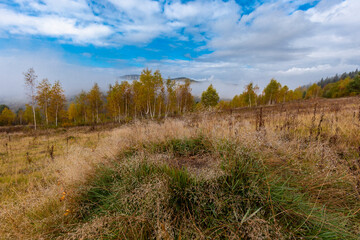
point(229, 43)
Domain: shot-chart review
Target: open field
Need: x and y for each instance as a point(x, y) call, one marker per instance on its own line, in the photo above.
point(24, 156)
point(288, 171)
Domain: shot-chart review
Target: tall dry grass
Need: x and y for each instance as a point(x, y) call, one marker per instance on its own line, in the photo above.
point(317, 147)
point(31, 212)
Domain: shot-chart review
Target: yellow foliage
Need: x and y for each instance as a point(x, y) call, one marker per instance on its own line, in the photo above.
point(7, 117)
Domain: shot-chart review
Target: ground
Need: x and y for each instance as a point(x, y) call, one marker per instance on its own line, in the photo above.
point(289, 171)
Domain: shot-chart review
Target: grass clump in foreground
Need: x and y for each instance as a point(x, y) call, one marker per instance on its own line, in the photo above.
point(145, 196)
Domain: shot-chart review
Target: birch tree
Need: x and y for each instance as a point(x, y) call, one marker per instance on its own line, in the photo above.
point(82, 103)
point(171, 97)
point(271, 92)
point(30, 83)
point(114, 101)
point(95, 102)
point(43, 97)
point(57, 101)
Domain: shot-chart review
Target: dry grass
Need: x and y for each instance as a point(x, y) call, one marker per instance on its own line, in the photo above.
point(316, 150)
point(30, 205)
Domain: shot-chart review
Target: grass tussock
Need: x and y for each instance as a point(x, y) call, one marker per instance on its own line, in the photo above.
point(143, 196)
point(214, 176)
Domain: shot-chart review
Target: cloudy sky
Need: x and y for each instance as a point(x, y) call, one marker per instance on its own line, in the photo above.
point(229, 43)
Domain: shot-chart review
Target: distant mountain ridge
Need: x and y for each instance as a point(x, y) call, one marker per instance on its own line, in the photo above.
point(132, 77)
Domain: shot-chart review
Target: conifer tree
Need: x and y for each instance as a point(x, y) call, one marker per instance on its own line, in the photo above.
point(210, 97)
point(354, 85)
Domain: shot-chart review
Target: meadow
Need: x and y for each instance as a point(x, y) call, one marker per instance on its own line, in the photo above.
point(285, 171)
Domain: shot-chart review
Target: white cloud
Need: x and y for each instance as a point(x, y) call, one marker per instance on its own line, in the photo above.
point(345, 12)
point(53, 26)
point(137, 21)
point(275, 40)
point(65, 8)
point(298, 71)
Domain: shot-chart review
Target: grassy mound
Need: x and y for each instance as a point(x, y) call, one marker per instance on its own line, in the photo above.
point(200, 188)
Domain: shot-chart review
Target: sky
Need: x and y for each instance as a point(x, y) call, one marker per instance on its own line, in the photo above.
point(229, 43)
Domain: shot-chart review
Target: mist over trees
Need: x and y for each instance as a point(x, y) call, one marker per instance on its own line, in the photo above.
point(348, 84)
point(273, 93)
point(153, 97)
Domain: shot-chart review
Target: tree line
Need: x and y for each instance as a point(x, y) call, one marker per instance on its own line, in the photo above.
point(152, 97)
point(347, 85)
point(149, 97)
point(273, 93)
point(337, 78)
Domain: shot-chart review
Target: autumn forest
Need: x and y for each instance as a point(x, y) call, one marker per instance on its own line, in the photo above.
point(153, 97)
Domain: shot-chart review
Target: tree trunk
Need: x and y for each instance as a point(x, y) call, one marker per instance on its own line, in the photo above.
point(185, 107)
point(97, 113)
point(167, 108)
point(56, 116)
point(119, 115)
point(148, 106)
point(159, 110)
point(154, 110)
point(126, 106)
point(46, 115)
point(33, 108)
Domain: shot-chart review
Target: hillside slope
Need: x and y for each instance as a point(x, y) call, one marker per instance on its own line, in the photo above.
point(282, 174)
